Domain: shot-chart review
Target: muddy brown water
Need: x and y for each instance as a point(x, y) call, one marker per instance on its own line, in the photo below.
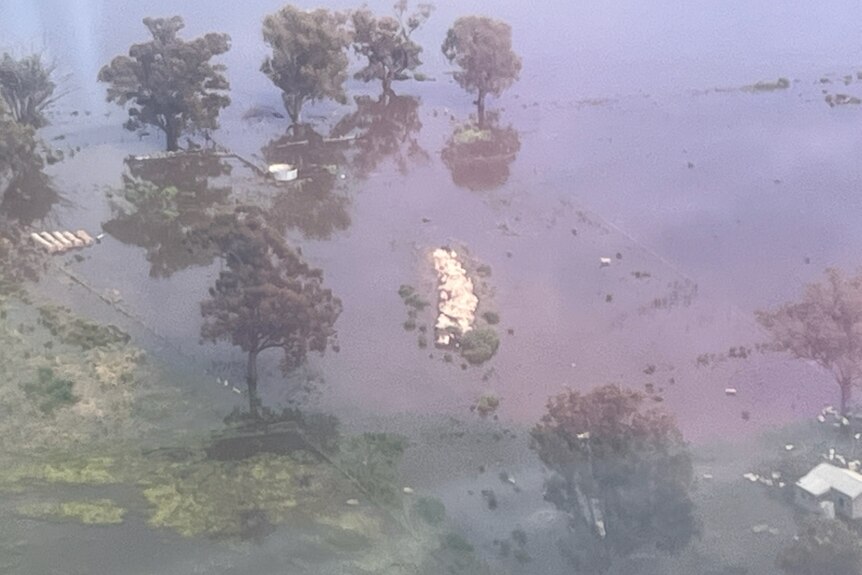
point(635, 139)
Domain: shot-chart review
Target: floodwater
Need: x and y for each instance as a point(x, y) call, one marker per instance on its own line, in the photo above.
point(636, 140)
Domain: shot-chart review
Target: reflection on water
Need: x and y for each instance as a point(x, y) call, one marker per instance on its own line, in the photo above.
point(479, 158)
point(317, 204)
point(387, 127)
point(30, 196)
point(162, 202)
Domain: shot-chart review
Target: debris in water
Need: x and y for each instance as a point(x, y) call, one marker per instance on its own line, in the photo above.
point(236, 390)
point(58, 242)
point(408, 491)
point(604, 262)
point(788, 447)
point(352, 502)
point(730, 391)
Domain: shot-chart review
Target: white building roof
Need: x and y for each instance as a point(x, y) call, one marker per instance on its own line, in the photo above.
point(824, 477)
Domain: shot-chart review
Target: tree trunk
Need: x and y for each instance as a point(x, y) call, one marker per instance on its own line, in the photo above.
point(387, 87)
point(293, 105)
point(172, 133)
point(251, 382)
point(480, 103)
point(846, 392)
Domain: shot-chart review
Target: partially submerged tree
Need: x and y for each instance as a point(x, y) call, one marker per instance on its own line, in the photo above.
point(309, 56)
point(26, 192)
point(823, 546)
point(27, 88)
point(267, 297)
point(170, 83)
point(620, 470)
point(391, 54)
point(19, 147)
point(824, 327)
point(482, 48)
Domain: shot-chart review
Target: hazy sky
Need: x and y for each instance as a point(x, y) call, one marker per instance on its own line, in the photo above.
point(586, 49)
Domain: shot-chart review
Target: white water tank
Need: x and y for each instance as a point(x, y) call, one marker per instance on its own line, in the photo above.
point(283, 172)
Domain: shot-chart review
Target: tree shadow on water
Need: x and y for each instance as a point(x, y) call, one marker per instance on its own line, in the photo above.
point(479, 159)
point(164, 200)
point(316, 204)
point(387, 127)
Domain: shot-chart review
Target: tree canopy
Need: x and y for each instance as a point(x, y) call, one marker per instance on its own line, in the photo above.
point(385, 43)
point(825, 326)
point(267, 297)
point(27, 88)
point(309, 56)
point(482, 48)
point(823, 546)
point(170, 83)
point(620, 470)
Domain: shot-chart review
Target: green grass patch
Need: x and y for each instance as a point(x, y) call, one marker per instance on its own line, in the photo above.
point(73, 330)
point(89, 512)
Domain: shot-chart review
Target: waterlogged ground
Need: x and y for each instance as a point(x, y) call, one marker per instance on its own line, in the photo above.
point(716, 176)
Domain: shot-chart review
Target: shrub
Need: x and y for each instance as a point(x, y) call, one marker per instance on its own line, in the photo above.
point(479, 345)
point(50, 392)
point(431, 510)
point(492, 317)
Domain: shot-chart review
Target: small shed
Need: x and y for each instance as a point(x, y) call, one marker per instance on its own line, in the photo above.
point(827, 484)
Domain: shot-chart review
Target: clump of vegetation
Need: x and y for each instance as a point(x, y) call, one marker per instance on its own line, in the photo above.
point(415, 303)
point(456, 542)
point(479, 345)
point(27, 88)
point(73, 330)
point(767, 86)
point(50, 392)
point(487, 404)
point(483, 271)
point(841, 100)
point(89, 512)
point(216, 498)
point(492, 317)
point(431, 510)
point(372, 459)
point(411, 298)
point(82, 471)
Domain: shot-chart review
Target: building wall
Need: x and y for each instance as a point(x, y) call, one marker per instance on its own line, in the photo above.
point(807, 501)
point(857, 508)
point(843, 504)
